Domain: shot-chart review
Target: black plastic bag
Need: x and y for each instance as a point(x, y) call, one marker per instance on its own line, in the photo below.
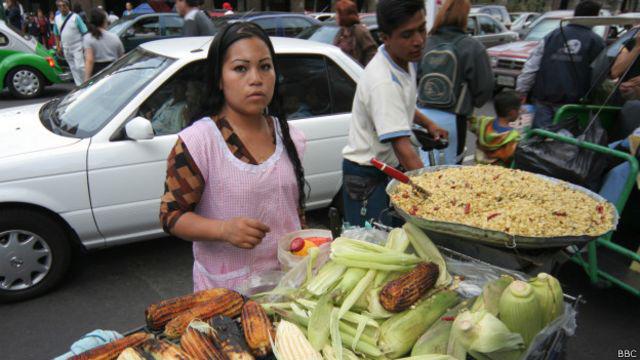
point(566, 161)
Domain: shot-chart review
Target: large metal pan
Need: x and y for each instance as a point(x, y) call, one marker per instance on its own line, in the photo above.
point(492, 237)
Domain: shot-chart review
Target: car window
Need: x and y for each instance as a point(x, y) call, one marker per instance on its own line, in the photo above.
point(321, 33)
point(172, 25)
point(270, 25)
point(304, 86)
point(343, 88)
point(88, 108)
point(471, 26)
point(172, 107)
point(4, 40)
point(292, 26)
point(146, 27)
point(488, 25)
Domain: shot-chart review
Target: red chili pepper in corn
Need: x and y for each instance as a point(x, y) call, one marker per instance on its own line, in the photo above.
point(559, 213)
point(600, 209)
point(448, 318)
point(467, 208)
point(492, 216)
point(496, 177)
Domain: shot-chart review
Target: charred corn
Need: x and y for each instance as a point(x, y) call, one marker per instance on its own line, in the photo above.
point(163, 350)
point(257, 328)
point(228, 303)
point(131, 353)
point(197, 342)
point(400, 294)
point(111, 350)
point(229, 339)
point(159, 314)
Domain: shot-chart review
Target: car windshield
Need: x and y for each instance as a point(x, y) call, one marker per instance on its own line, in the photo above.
point(544, 27)
point(515, 16)
point(118, 26)
point(320, 33)
point(87, 109)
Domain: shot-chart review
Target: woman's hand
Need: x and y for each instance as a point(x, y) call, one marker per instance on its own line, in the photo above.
point(243, 232)
point(436, 131)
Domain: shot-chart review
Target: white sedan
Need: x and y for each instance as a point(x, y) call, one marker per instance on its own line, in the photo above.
point(87, 170)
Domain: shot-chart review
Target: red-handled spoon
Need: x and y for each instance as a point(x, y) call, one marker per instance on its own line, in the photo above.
point(400, 176)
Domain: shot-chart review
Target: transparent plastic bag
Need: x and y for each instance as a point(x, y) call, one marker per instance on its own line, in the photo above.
point(285, 257)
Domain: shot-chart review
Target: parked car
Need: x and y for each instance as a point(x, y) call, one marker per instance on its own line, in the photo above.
point(274, 23)
point(26, 67)
point(508, 60)
point(327, 31)
point(134, 30)
point(522, 20)
point(322, 16)
point(489, 31)
point(87, 170)
point(498, 12)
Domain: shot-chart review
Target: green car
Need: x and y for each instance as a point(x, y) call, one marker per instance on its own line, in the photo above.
point(26, 67)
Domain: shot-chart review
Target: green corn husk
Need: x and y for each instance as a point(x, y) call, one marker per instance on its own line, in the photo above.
point(355, 294)
point(491, 293)
point(398, 240)
point(327, 276)
point(329, 354)
point(399, 333)
point(436, 339)
point(485, 335)
point(549, 294)
point(318, 329)
point(428, 252)
point(520, 310)
point(350, 279)
point(429, 357)
point(336, 338)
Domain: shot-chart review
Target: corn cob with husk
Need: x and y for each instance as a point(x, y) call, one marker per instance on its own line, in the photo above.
point(491, 294)
point(197, 342)
point(163, 350)
point(257, 328)
point(520, 310)
point(549, 294)
point(291, 344)
point(111, 350)
point(131, 353)
point(227, 303)
point(398, 295)
point(328, 275)
point(158, 315)
point(229, 339)
point(436, 339)
point(428, 252)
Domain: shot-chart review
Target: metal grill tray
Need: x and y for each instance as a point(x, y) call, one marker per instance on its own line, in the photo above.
point(493, 237)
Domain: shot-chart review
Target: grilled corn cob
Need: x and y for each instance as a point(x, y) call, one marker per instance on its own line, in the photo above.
point(197, 342)
point(111, 350)
point(229, 339)
point(131, 353)
point(163, 350)
point(257, 328)
point(228, 303)
point(400, 294)
point(159, 314)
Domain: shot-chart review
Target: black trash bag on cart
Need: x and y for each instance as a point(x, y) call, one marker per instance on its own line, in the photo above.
point(565, 161)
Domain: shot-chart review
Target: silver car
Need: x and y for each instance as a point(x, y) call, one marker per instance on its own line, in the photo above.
point(489, 31)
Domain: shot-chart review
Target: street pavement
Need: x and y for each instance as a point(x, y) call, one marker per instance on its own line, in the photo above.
point(110, 289)
point(7, 101)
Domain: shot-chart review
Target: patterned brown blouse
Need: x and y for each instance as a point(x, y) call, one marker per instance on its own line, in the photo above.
point(184, 184)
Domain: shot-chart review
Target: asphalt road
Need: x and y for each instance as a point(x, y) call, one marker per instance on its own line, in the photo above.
point(109, 289)
point(7, 100)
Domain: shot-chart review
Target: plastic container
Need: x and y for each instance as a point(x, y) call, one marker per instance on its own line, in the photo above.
point(285, 257)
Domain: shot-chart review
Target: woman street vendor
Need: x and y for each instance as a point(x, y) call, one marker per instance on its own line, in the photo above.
point(235, 182)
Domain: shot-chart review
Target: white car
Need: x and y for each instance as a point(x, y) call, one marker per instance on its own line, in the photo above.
point(88, 170)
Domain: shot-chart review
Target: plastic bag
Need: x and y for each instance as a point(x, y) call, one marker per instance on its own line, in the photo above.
point(565, 161)
point(285, 257)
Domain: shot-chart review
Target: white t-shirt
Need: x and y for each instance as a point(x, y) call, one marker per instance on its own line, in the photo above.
point(383, 109)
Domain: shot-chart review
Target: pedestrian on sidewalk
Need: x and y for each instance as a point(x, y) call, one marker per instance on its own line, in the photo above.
point(69, 29)
point(128, 9)
point(44, 32)
point(353, 38)
point(12, 13)
point(196, 22)
point(101, 47)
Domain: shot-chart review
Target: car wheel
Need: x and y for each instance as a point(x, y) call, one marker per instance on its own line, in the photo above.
point(25, 82)
point(35, 253)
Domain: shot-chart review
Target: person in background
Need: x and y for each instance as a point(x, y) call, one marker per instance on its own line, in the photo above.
point(196, 22)
point(69, 29)
point(558, 72)
point(12, 14)
point(31, 27)
point(235, 181)
point(353, 38)
point(169, 118)
point(227, 6)
point(52, 21)
point(384, 112)
point(128, 9)
point(476, 79)
point(44, 32)
point(497, 140)
point(77, 8)
point(111, 18)
point(101, 47)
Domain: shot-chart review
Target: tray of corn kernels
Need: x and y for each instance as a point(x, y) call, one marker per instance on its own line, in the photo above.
point(503, 207)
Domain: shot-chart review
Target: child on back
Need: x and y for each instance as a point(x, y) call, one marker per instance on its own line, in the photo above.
point(497, 140)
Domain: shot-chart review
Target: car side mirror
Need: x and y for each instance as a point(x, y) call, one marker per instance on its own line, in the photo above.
point(139, 128)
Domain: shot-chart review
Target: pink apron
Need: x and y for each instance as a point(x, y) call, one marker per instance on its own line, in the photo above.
point(267, 192)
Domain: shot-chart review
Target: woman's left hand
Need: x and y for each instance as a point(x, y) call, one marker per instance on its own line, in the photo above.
point(437, 132)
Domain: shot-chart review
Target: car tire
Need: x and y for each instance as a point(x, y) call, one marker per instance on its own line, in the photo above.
point(25, 82)
point(35, 250)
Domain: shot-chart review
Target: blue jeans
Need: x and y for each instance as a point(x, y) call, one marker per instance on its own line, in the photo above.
point(543, 116)
point(362, 206)
point(614, 180)
point(446, 121)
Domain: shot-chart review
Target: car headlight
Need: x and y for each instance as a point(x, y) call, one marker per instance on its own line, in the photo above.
point(494, 61)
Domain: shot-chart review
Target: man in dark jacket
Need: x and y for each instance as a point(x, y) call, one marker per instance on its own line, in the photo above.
point(559, 70)
point(196, 22)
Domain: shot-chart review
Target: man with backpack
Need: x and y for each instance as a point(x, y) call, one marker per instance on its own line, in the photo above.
point(455, 75)
point(559, 70)
point(196, 22)
point(384, 111)
point(69, 28)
